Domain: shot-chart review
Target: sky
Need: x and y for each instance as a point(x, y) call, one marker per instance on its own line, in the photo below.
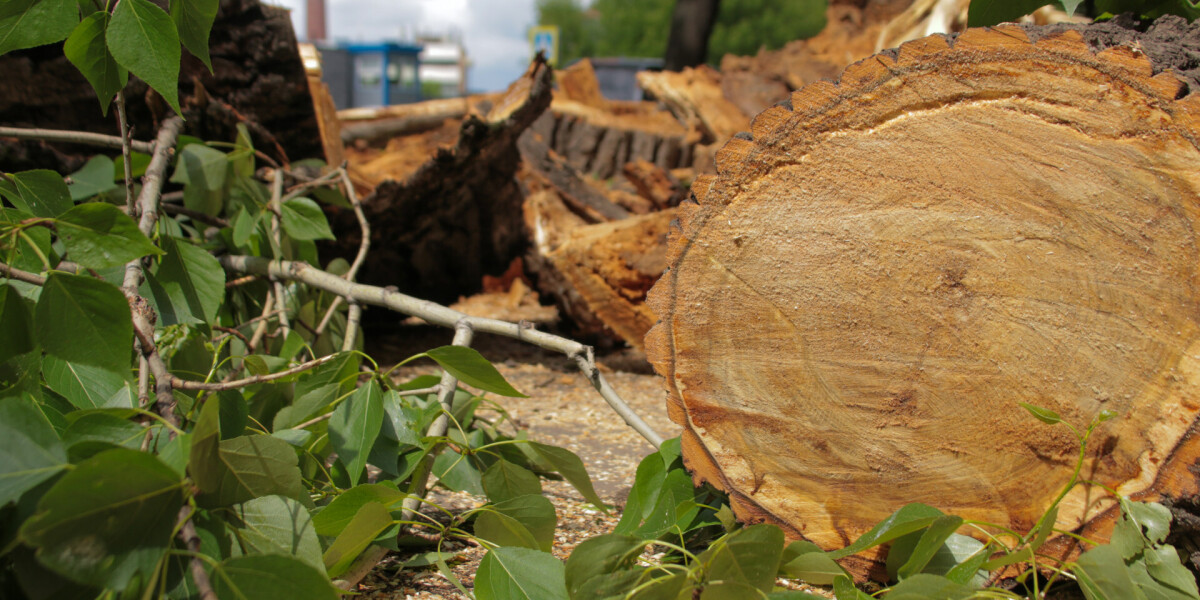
point(495, 32)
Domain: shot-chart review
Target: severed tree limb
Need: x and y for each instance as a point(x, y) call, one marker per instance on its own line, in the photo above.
point(74, 137)
point(437, 314)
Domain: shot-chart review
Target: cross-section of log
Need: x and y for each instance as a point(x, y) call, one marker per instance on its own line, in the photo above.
point(880, 274)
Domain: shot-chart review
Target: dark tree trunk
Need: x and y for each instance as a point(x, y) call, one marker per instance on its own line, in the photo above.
point(691, 24)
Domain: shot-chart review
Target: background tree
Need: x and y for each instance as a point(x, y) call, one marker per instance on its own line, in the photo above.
point(640, 28)
point(691, 26)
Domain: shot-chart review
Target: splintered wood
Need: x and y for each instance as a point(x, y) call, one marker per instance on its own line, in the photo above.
point(878, 276)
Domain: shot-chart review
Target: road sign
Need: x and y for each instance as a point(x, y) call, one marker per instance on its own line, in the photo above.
point(544, 38)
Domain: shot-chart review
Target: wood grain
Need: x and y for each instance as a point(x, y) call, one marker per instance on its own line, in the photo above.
point(877, 277)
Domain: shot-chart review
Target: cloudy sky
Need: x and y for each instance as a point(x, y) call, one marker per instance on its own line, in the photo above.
point(494, 31)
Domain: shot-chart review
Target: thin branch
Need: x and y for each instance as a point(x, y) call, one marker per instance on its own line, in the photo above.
point(19, 275)
point(421, 392)
point(437, 314)
point(313, 421)
point(353, 318)
point(232, 283)
point(363, 246)
point(148, 200)
point(195, 215)
point(261, 330)
point(189, 537)
point(302, 187)
point(277, 235)
point(74, 137)
point(126, 154)
point(183, 384)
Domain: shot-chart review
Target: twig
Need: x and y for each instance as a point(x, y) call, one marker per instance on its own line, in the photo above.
point(183, 384)
point(195, 215)
point(304, 186)
point(126, 154)
point(363, 246)
point(437, 314)
point(353, 318)
point(143, 382)
point(189, 537)
point(74, 137)
point(147, 203)
point(313, 421)
point(232, 283)
point(19, 275)
point(261, 330)
point(421, 392)
point(277, 235)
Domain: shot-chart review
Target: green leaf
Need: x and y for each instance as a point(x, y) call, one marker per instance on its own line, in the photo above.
point(337, 515)
point(370, 521)
point(930, 542)
point(750, 556)
point(456, 473)
point(1162, 563)
point(87, 50)
point(671, 587)
point(599, 556)
point(1070, 6)
point(470, 367)
point(85, 321)
point(204, 457)
point(98, 235)
point(187, 285)
point(1102, 574)
point(302, 219)
point(41, 192)
point(194, 20)
point(536, 513)
point(505, 480)
point(279, 525)
point(924, 586)
point(95, 177)
point(108, 520)
point(1044, 415)
point(243, 226)
point(354, 426)
point(203, 171)
point(1153, 518)
point(843, 589)
point(961, 560)
point(519, 574)
point(30, 451)
point(503, 530)
point(143, 39)
point(28, 24)
point(728, 590)
point(270, 577)
point(16, 335)
point(96, 431)
point(567, 464)
point(908, 519)
point(806, 561)
point(983, 13)
point(250, 467)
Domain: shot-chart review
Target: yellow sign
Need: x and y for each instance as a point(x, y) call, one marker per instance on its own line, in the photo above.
point(544, 39)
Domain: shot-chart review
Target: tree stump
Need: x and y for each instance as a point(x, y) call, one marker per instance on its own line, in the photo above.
point(888, 265)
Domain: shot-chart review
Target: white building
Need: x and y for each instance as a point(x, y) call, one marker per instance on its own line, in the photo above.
point(443, 65)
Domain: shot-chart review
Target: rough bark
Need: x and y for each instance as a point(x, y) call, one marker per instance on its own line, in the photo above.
point(258, 79)
point(888, 265)
point(458, 216)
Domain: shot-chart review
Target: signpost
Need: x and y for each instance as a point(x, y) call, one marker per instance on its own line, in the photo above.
point(544, 38)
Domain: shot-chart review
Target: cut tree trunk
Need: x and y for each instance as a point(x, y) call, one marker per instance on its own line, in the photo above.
point(890, 264)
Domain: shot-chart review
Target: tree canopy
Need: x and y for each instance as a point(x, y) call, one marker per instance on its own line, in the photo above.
point(639, 28)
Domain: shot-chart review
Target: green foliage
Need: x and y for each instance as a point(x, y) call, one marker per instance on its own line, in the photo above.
point(640, 28)
point(993, 12)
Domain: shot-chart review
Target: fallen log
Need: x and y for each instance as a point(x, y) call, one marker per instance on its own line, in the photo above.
point(258, 80)
point(597, 273)
point(458, 216)
point(886, 266)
